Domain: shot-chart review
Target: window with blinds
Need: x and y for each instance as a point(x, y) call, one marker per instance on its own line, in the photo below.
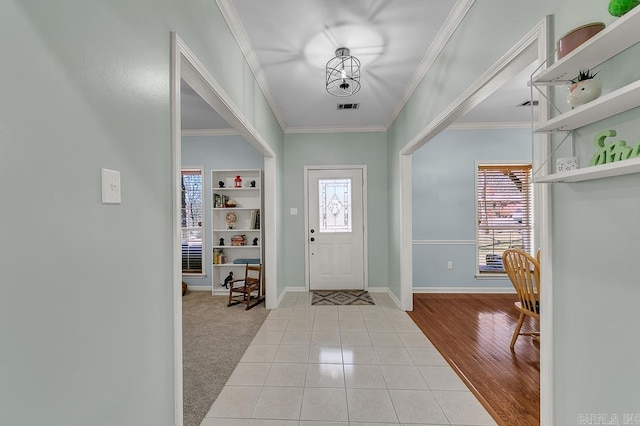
point(191, 216)
point(505, 212)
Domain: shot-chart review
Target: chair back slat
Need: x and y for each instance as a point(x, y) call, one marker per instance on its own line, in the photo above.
point(524, 272)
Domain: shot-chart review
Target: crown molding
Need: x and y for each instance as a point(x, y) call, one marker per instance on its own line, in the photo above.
point(237, 30)
point(492, 125)
point(210, 132)
point(457, 14)
point(366, 129)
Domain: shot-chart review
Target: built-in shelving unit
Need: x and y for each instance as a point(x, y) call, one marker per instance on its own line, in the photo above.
point(617, 37)
point(236, 218)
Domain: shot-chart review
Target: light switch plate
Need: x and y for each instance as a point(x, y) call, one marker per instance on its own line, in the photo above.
point(293, 211)
point(110, 186)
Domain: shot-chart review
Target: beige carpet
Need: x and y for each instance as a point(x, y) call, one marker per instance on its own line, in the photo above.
point(214, 339)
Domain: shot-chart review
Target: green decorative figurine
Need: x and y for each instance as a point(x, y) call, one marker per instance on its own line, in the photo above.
point(620, 7)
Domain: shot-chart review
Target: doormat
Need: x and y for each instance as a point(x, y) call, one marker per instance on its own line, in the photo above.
point(341, 297)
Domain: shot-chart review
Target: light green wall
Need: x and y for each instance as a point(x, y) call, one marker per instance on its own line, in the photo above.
point(596, 368)
point(335, 149)
point(86, 313)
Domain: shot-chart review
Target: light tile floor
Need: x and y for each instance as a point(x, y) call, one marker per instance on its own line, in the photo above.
point(343, 365)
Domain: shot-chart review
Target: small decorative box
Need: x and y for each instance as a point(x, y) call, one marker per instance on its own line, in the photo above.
point(566, 163)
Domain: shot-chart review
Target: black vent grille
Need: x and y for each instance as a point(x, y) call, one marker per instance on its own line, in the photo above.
point(348, 106)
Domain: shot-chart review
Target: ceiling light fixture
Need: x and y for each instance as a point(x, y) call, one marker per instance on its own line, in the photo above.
point(343, 73)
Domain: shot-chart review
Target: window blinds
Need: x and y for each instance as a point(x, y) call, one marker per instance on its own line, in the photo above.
point(505, 212)
point(191, 215)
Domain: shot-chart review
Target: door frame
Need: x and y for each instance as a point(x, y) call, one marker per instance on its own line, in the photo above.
point(184, 64)
point(539, 38)
point(365, 248)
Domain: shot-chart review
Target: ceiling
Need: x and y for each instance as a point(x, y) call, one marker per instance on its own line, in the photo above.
point(288, 42)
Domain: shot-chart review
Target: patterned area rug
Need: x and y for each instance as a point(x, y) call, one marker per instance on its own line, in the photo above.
point(341, 297)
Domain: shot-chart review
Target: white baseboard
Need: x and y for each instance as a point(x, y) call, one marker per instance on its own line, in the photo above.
point(476, 290)
point(394, 298)
point(295, 290)
point(378, 289)
point(200, 288)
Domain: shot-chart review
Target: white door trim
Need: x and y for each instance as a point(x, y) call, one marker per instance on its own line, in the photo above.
point(365, 248)
point(496, 76)
point(184, 64)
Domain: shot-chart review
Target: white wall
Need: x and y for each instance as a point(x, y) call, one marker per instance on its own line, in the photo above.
point(86, 313)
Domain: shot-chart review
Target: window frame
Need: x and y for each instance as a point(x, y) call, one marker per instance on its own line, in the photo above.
point(201, 228)
point(531, 210)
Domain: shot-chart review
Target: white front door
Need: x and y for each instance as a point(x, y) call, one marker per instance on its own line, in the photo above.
point(335, 230)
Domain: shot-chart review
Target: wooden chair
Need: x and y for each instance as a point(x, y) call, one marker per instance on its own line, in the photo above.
point(242, 290)
point(524, 273)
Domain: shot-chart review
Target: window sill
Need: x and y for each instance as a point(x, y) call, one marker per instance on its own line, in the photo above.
point(194, 275)
point(492, 276)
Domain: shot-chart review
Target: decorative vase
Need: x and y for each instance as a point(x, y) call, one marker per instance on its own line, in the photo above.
point(574, 38)
point(584, 91)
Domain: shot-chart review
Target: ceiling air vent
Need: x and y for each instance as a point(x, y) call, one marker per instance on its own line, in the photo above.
point(348, 106)
point(527, 103)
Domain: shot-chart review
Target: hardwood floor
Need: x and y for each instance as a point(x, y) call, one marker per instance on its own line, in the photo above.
point(473, 332)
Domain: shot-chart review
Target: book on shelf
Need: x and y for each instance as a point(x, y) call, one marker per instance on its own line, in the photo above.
point(220, 201)
point(254, 220)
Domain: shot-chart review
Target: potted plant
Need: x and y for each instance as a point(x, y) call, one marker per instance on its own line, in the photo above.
point(620, 7)
point(584, 88)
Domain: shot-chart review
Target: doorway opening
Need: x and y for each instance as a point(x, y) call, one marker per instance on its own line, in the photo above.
point(517, 59)
point(186, 67)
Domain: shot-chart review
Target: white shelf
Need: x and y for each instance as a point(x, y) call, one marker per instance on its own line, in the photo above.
point(618, 168)
point(219, 265)
point(236, 247)
point(617, 37)
point(620, 35)
point(235, 208)
point(621, 100)
point(248, 188)
point(236, 230)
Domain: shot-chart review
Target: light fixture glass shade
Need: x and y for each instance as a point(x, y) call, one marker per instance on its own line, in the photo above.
point(343, 74)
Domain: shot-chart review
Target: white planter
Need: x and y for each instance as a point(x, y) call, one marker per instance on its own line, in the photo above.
point(584, 91)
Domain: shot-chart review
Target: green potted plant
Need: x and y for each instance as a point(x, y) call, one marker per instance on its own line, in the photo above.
point(620, 7)
point(584, 88)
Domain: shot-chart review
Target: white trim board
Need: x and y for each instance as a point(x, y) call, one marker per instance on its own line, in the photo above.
point(470, 290)
point(202, 288)
point(443, 242)
point(210, 132)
